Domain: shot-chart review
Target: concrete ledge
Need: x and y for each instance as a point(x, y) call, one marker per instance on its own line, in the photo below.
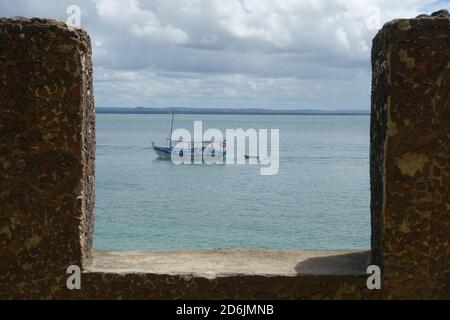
point(231, 262)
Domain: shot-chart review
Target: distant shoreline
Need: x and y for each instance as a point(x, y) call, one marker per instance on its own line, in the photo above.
point(231, 111)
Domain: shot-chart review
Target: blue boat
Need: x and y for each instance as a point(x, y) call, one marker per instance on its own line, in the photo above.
point(190, 149)
point(162, 152)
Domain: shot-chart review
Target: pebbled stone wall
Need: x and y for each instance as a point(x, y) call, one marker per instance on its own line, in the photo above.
point(410, 155)
point(47, 142)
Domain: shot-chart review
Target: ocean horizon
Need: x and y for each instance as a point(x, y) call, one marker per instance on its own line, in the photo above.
point(229, 111)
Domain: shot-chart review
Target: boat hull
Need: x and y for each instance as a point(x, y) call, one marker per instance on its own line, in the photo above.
point(162, 152)
point(166, 152)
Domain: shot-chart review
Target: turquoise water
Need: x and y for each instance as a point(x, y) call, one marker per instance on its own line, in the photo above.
point(319, 199)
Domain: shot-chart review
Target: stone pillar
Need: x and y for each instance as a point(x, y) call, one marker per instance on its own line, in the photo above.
point(410, 155)
point(47, 143)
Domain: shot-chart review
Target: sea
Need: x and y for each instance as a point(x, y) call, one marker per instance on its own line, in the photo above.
point(319, 199)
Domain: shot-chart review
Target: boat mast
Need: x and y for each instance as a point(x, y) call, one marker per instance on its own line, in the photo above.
point(171, 128)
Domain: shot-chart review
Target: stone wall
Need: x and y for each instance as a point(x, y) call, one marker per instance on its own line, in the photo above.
point(47, 141)
point(47, 146)
point(410, 155)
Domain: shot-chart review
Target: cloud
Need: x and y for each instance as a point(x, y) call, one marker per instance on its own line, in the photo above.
point(231, 53)
point(129, 16)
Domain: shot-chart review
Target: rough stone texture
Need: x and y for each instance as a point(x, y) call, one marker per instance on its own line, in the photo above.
point(410, 156)
point(47, 143)
point(159, 286)
point(47, 146)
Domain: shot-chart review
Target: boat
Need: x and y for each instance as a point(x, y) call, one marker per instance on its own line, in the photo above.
point(166, 151)
point(189, 149)
point(162, 152)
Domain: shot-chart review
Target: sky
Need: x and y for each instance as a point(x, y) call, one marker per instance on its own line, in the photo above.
point(273, 54)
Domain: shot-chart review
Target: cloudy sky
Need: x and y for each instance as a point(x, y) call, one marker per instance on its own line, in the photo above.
point(280, 54)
